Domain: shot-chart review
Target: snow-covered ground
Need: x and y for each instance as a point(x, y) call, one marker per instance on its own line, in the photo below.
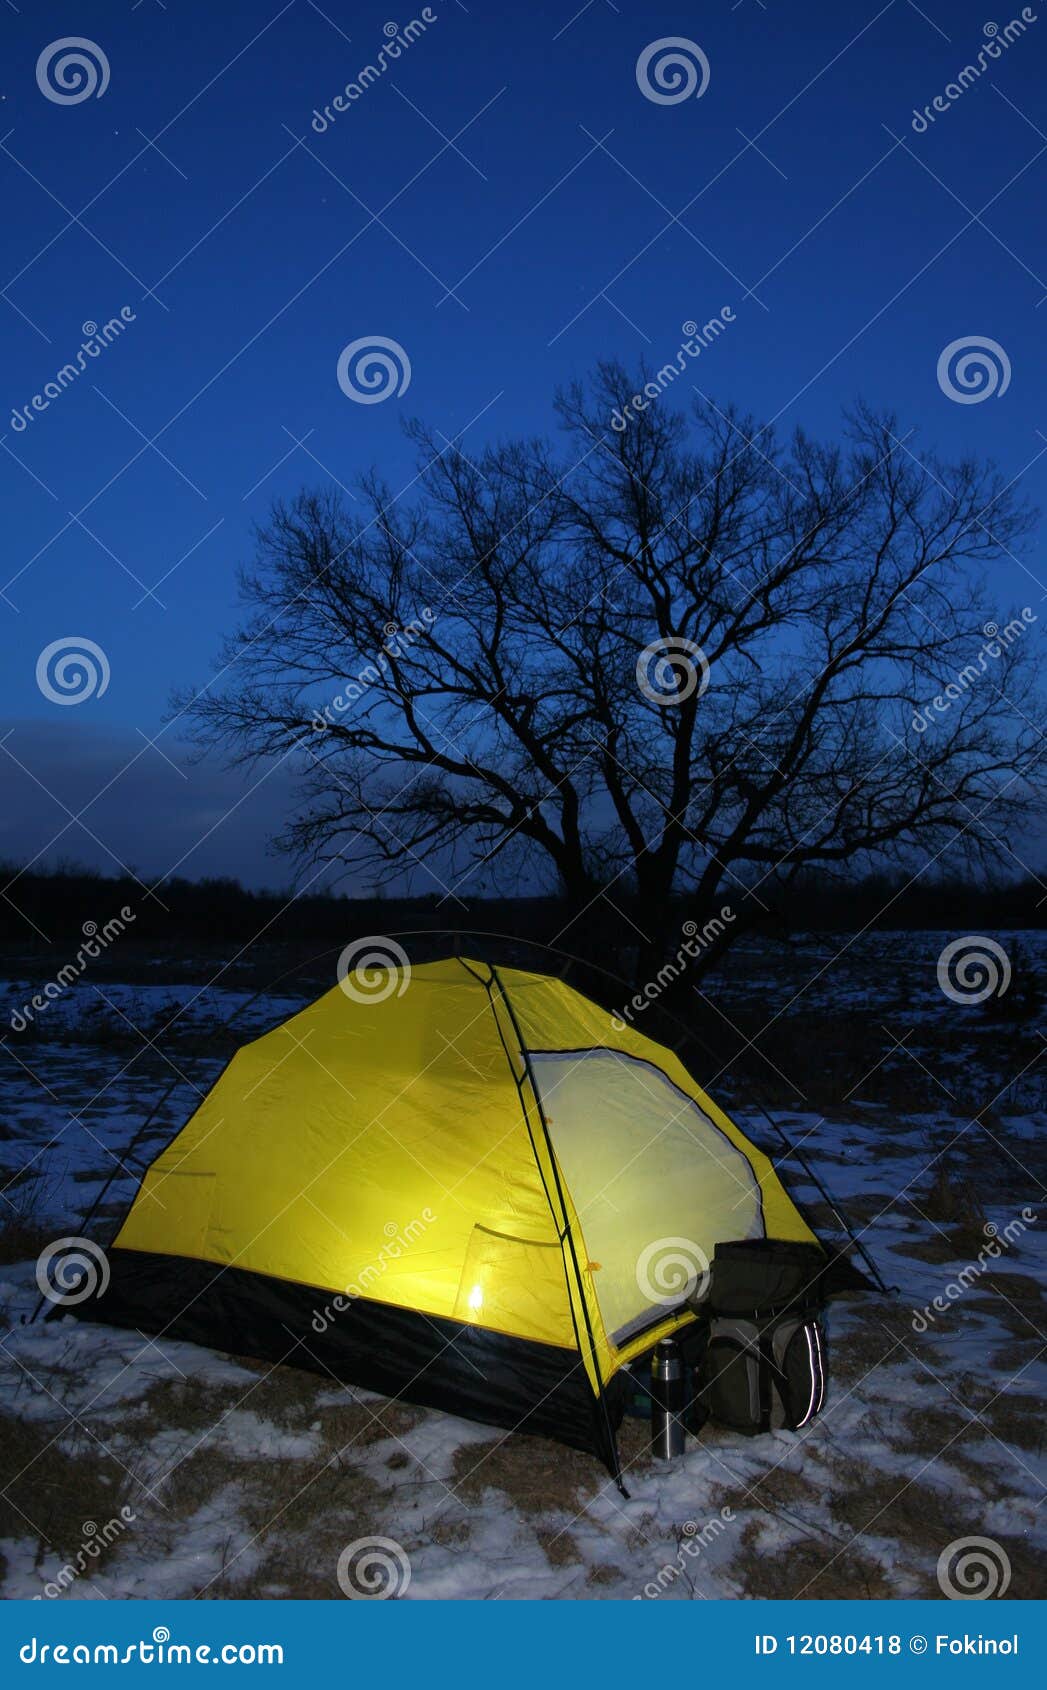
point(159, 1469)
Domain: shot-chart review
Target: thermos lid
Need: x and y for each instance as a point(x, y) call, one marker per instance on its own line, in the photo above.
point(666, 1360)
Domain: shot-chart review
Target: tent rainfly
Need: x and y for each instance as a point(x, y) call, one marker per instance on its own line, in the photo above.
point(462, 1190)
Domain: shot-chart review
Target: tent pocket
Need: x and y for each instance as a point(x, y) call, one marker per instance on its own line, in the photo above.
point(764, 1365)
point(515, 1285)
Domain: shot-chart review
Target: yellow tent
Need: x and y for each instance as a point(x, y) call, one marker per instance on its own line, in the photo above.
point(460, 1185)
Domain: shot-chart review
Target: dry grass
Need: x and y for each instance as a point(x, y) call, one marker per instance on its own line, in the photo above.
point(299, 1513)
point(1009, 1361)
point(875, 1339)
point(350, 1425)
point(184, 1405)
point(558, 1547)
point(537, 1476)
point(53, 1487)
point(23, 1232)
point(813, 1567)
point(953, 1204)
point(602, 1574)
point(923, 1516)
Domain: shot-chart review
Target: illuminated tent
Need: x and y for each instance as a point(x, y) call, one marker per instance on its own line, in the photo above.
point(462, 1186)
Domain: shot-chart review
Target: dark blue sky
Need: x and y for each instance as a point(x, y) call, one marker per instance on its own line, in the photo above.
point(502, 203)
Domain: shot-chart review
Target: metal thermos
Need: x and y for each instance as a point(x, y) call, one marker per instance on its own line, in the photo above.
point(667, 1401)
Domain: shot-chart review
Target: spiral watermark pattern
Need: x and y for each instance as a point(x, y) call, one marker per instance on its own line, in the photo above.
point(974, 968)
point(374, 1569)
point(974, 368)
point(669, 671)
point(72, 669)
point(973, 1569)
point(672, 69)
point(372, 969)
point(72, 1270)
point(72, 69)
point(373, 368)
point(671, 1270)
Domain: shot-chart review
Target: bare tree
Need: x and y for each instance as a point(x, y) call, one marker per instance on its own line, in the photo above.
point(678, 660)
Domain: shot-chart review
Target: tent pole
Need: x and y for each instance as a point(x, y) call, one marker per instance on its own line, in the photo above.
point(564, 1226)
point(824, 1193)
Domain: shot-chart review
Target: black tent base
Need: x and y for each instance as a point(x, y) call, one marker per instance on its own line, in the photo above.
point(511, 1383)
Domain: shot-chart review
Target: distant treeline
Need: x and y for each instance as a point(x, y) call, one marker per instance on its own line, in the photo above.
point(57, 903)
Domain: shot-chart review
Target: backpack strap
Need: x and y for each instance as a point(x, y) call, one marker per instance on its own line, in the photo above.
point(767, 1369)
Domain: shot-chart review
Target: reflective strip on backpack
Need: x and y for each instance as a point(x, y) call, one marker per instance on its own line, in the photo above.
point(817, 1372)
point(814, 1379)
point(821, 1368)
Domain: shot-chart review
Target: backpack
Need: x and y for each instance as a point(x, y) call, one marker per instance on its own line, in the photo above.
point(764, 1362)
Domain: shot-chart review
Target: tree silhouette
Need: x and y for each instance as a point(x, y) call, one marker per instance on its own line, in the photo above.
point(671, 662)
